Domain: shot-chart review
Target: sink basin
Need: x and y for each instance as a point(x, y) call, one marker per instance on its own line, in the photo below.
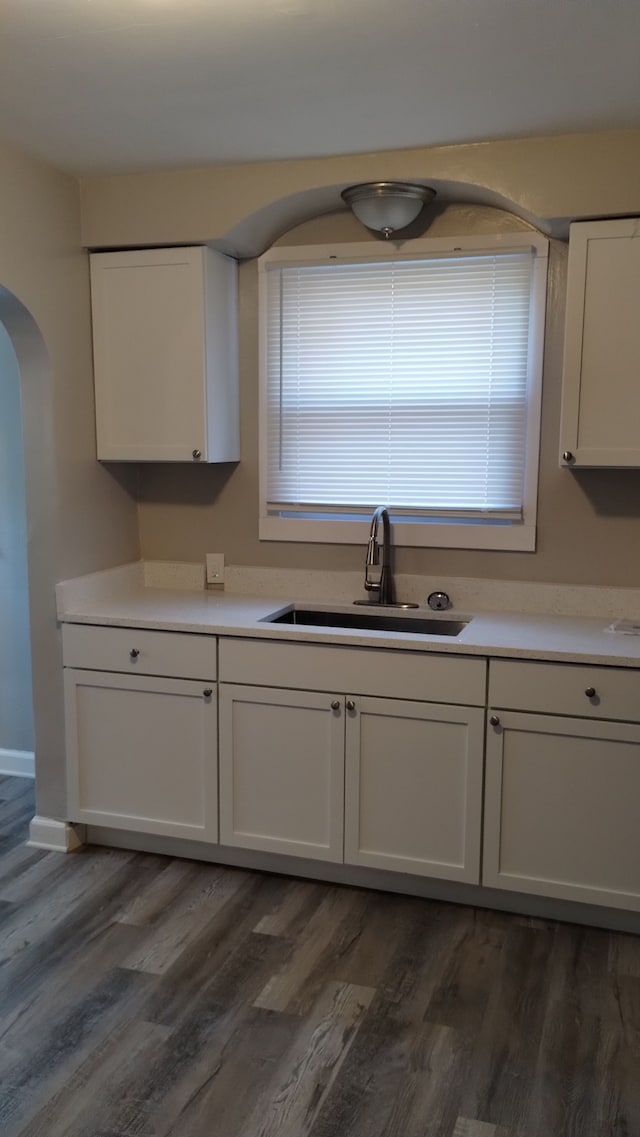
point(371, 621)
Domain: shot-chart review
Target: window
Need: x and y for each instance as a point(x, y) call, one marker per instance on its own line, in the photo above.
point(411, 381)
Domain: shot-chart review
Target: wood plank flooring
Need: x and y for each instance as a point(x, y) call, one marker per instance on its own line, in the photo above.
point(142, 996)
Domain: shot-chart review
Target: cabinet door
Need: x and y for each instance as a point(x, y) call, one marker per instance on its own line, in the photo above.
point(282, 771)
point(413, 789)
point(601, 393)
point(149, 354)
point(141, 753)
point(561, 808)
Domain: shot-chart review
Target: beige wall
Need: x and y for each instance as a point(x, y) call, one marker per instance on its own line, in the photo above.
point(80, 517)
point(589, 522)
point(243, 208)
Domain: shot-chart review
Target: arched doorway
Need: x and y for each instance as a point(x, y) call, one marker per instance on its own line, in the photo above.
point(16, 698)
point(28, 370)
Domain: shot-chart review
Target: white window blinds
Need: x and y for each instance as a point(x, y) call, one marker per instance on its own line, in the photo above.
point(401, 383)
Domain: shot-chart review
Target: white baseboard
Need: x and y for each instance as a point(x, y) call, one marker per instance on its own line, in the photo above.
point(18, 762)
point(58, 836)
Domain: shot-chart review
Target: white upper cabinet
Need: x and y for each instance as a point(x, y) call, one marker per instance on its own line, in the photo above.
point(165, 345)
point(601, 380)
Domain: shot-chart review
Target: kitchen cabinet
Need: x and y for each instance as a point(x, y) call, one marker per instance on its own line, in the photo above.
point(281, 771)
point(141, 727)
point(413, 787)
point(412, 768)
point(365, 757)
point(601, 393)
point(165, 355)
point(563, 782)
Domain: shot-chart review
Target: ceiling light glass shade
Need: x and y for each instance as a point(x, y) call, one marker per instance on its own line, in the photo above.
point(386, 207)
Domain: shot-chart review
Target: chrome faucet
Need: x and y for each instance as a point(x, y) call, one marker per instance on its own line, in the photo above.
point(377, 576)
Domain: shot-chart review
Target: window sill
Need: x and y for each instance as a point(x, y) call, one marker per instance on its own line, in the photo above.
point(511, 537)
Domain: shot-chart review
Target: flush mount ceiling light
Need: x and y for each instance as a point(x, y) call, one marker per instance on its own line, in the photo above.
point(386, 207)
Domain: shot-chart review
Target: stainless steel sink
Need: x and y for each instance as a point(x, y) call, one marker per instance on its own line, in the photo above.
point(371, 621)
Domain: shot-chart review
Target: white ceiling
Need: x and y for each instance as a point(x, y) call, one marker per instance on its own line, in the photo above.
point(110, 85)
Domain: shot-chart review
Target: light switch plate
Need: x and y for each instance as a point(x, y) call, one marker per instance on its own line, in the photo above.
point(215, 568)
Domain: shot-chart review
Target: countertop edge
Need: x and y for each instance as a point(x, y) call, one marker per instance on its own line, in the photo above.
point(488, 635)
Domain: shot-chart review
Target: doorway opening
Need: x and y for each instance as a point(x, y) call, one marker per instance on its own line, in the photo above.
point(17, 743)
point(25, 485)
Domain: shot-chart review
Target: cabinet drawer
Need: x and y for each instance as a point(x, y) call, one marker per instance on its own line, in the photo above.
point(397, 674)
point(139, 651)
point(561, 689)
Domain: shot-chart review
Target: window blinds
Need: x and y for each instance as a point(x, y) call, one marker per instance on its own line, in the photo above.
point(401, 383)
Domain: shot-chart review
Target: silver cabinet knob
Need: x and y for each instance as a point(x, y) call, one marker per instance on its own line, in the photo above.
point(590, 692)
point(351, 705)
point(208, 692)
point(567, 456)
point(134, 653)
point(197, 454)
point(494, 720)
point(335, 705)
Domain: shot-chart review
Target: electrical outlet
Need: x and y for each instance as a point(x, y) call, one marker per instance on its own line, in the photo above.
point(215, 568)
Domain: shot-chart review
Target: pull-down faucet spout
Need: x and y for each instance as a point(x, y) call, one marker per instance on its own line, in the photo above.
point(377, 575)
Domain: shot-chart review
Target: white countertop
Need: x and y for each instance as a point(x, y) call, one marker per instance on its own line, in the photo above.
point(120, 598)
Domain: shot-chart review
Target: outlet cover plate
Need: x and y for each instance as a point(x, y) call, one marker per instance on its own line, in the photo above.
point(215, 568)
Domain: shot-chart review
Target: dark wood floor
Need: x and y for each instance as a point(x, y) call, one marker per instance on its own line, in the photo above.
point(147, 997)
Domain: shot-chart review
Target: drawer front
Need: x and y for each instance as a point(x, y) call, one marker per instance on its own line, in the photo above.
point(396, 674)
point(565, 689)
point(139, 651)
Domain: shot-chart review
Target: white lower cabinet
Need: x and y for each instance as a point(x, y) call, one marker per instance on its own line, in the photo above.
point(561, 793)
point(141, 747)
point(391, 782)
point(282, 771)
point(413, 787)
point(406, 777)
point(141, 753)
